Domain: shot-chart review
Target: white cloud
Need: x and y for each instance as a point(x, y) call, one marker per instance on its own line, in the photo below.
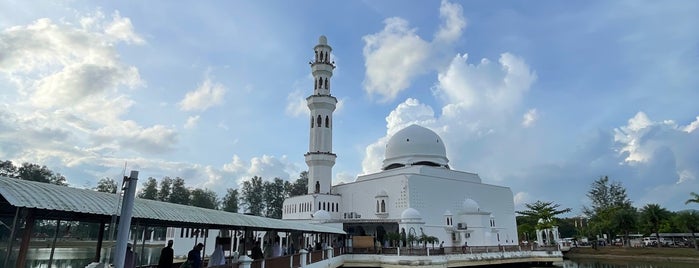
point(207, 95)
point(392, 57)
point(522, 198)
point(411, 111)
point(692, 126)
point(453, 24)
point(122, 29)
point(296, 104)
point(396, 54)
point(529, 118)
point(191, 122)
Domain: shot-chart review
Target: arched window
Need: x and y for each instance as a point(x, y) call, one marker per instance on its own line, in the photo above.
point(383, 206)
point(316, 56)
point(319, 121)
point(326, 83)
point(320, 82)
point(315, 84)
point(318, 205)
point(327, 121)
point(377, 206)
point(312, 121)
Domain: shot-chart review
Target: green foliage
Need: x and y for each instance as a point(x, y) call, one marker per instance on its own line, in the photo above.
point(34, 172)
point(106, 185)
point(694, 198)
point(300, 186)
point(625, 219)
point(253, 196)
point(165, 189)
point(149, 190)
point(204, 198)
point(544, 211)
point(7, 169)
point(652, 216)
point(607, 199)
point(274, 195)
point(688, 221)
point(179, 194)
point(230, 201)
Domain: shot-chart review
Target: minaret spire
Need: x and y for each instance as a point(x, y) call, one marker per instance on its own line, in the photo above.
point(320, 158)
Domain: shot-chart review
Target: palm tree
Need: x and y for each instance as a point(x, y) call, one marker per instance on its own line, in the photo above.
point(694, 199)
point(653, 215)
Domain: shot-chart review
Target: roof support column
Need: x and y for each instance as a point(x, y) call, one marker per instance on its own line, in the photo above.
point(53, 244)
point(100, 237)
point(12, 237)
point(26, 236)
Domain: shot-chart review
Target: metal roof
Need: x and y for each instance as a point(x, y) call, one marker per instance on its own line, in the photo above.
point(63, 202)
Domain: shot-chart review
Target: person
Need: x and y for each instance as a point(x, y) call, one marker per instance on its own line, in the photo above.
point(256, 253)
point(130, 259)
point(194, 256)
point(166, 255)
point(465, 247)
point(276, 248)
point(217, 258)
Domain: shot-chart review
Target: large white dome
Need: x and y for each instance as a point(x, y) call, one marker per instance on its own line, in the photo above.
point(415, 145)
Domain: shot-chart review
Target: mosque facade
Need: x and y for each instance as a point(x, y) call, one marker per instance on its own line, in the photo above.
point(416, 192)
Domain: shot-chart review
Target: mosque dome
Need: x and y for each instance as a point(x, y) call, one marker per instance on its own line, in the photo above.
point(321, 215)
point(410, 214)
point(381, 193)
point(415, 145)
point(470, 205)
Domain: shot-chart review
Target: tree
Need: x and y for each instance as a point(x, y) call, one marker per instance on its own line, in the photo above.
point(149, 190)
point(300, 186)
point(106, 185)
point(230, 201)
point(274, 195)
point(252, 196)
point(625, 219)
point(165, 189)
point(688, 221)
point(694, 199)
point(653, 216)
point(180, 194)
point(7, 169)
point(204, 198)
point(34, 172)
point(546, 211)
point(606, 199)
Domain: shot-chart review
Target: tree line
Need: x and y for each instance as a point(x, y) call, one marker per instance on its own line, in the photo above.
point(610, 214)
point(256, 196)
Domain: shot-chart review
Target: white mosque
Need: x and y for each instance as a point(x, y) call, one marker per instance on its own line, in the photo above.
point(416, 192)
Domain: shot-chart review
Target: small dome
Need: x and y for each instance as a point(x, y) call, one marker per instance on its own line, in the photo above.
point(410, 214)
point(470, 205)
point(323, 40)
point(321, 215)
point(415, 145)
point(381, 193)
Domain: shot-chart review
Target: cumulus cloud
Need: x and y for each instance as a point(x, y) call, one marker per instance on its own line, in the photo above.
point(207, 95)
point(67, 82)
point(529, 118)
point(411, 111)
point(296, 104)
point(522, 198)
point(191, 122)
point(266, 166)
point(394, 56)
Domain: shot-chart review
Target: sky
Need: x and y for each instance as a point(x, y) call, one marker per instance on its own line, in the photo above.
point(543, 97)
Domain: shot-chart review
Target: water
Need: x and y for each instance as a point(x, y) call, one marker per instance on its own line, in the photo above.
point(590, 263)
point(73, 257)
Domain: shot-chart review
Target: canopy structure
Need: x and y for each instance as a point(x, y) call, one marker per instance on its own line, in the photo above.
point(54, 202)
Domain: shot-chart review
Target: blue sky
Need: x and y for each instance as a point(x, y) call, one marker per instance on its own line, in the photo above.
point(543, 96)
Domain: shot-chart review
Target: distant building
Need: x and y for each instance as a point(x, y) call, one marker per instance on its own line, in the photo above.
point(416, 192)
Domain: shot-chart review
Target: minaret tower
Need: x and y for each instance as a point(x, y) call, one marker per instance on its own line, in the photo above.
point(320, 158)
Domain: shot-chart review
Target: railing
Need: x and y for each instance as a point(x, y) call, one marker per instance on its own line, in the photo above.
point(424, 251)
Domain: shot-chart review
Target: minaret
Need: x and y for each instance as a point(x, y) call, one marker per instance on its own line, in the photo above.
point(320, 158)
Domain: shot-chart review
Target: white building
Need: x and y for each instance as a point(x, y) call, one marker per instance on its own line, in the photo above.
point(415, 193)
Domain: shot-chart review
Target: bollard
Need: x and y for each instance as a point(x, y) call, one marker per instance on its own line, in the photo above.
point(304, 257)
point(244, 261)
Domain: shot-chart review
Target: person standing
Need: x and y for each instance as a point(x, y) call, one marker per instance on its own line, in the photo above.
point(130, 258)
point(194, 256)
point(166, 255)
